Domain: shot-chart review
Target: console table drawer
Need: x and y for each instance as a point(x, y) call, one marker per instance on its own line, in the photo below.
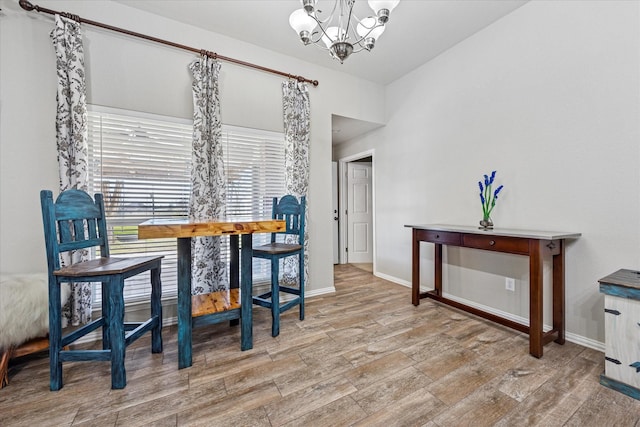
point(496, 243)
point(443, 237)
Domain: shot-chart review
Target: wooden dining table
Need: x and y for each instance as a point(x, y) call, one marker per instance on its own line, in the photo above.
point(184, 230)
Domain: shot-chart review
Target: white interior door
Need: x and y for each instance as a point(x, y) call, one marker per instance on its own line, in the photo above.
point(359, 213)
point(334, 212)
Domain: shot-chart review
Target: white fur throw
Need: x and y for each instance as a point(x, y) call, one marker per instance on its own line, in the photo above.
point(24, 307)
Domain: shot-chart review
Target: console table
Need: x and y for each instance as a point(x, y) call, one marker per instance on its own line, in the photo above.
point(533, 244)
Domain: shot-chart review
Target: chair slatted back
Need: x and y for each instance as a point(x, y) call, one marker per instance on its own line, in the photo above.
point(292, 212)
point(75, 221)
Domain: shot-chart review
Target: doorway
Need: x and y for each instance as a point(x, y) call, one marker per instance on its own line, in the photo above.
point(357, 207)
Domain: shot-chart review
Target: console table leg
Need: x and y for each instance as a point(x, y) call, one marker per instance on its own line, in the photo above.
point(535, 298)
point(415, 269)
point(558, 293)
point(437, 280)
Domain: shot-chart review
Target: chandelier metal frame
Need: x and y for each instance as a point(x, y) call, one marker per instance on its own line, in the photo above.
point(341, 32)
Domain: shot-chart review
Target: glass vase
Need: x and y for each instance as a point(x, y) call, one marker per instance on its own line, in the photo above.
point(486, 224)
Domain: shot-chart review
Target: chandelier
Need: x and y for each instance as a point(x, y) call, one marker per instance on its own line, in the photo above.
point(341, 32)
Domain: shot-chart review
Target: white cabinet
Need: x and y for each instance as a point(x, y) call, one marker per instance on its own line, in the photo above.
point(622, 331)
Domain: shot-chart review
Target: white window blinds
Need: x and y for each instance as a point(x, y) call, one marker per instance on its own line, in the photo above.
point(141, 163)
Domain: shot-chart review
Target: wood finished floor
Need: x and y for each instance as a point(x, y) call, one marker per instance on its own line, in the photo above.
point(364, 356)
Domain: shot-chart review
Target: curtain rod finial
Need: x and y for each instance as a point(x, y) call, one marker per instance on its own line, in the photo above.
point(302, 79)
point(26, 5)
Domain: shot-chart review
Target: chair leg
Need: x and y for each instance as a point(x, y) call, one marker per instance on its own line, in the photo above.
point(275, 297)
point(55, 336)
point(156, 310)
point(116, 332)
point(301, 276)
point(106, 310)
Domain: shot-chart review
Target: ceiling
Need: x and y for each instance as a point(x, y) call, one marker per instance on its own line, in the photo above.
point(346, 128)
point(417, 31)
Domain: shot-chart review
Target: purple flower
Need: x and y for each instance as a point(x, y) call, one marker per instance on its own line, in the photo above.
point(488, 197)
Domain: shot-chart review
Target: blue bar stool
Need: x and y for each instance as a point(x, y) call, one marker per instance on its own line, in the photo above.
point(292, 212)
point(76, 222)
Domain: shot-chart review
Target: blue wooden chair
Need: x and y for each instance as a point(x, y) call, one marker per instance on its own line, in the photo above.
point(292, 212)
point(76, 222)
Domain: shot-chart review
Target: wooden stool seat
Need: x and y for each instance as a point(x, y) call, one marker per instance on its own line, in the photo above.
point(107, 266)
point(277, 249)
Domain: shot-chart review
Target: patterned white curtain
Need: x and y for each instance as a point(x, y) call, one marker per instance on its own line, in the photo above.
point(209, 192)
point(71, 137)
point(296, 114)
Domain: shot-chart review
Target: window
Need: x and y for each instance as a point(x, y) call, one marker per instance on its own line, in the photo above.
point(141, 164)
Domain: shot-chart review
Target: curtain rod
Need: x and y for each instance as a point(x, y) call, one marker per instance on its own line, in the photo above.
point(29, 7)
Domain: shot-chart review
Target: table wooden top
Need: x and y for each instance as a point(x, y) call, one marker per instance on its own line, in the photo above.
point(162, 228)
point(508, 232)
point(623, 277)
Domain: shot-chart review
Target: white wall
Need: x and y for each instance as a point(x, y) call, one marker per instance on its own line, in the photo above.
point(133, 74)
point(549, 96)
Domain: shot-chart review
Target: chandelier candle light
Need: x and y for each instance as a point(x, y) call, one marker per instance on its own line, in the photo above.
point(341, 31)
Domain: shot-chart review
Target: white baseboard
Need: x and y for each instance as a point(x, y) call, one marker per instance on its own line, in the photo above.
point(321, 291)
point(585, 342)
point(259, 289)
point(571, 337)
point(392, 279)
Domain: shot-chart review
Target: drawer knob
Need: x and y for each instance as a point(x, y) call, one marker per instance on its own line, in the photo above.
point(437, 236)
point(492, 242)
